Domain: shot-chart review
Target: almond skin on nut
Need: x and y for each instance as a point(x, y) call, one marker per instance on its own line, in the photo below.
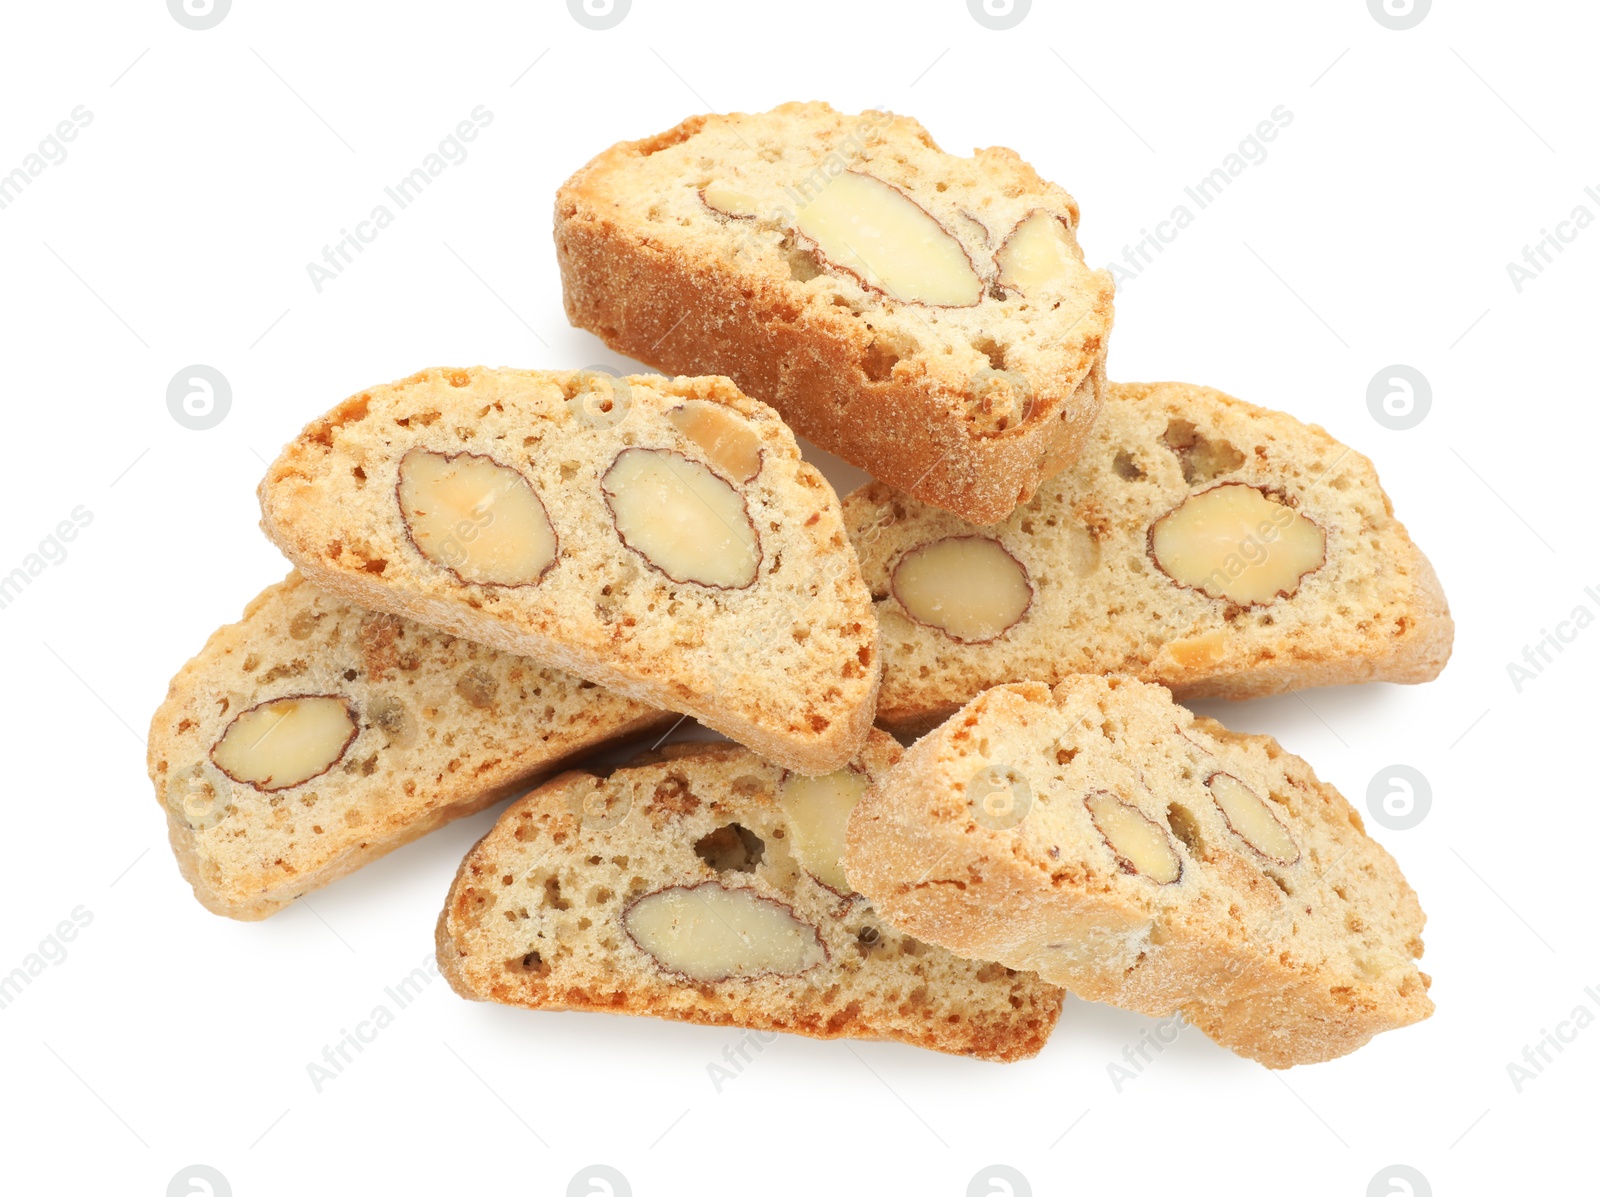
point(711, 933)
point(1140, 844)
point(680, 517)
point(475, 517)
point(1037, 257)
point(1236, 542)
point(863, 226)
point(969, 587)
point(1251, 819)
point(285, 742)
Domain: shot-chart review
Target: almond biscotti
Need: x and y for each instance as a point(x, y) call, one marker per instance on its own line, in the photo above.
point(927, 317)
point(1221, 549)
point(314, 736)
point(705, 885)
point(659, 537)
point(1111, 841)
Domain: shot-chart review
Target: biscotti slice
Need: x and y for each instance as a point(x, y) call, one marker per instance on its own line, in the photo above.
point(1106, 838)
point(704, 884)
point(659, 537)
point(927, 317)
point(314, 736)
point(1218, 548)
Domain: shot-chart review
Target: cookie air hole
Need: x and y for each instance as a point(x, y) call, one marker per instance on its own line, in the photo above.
point(531, 964)
point(991, 349)
point(1187, 828)
point(1202, 458)
point(879, 361)
point(1125, 467)
point(731, 848)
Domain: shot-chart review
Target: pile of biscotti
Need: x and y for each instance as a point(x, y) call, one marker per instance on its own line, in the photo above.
point(500, 573)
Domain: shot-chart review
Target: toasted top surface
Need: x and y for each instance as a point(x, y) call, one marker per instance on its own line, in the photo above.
point(734, 651)
point(553, 909)
point(1237, 875)
point(740, 192)
point(436, 721)
point(1098, 601)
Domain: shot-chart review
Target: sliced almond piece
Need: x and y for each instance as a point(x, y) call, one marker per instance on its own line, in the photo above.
point(818, 810)
point(969, 587)
point(285, 742)
point(1140, 844)
point(1235, 542)
point(727, 438)
point(1252, 819)
point(1039, 257)
point(729, 201)
point(876, 232)
point(710, 933)
point(681, 518)
point(477, 518)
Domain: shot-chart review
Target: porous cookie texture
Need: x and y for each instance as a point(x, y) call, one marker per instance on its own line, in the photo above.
point(608, 527)
point(686, 887)
point(927, 317)
point(314, 736)
point(1221, 549)
point(1109, 840)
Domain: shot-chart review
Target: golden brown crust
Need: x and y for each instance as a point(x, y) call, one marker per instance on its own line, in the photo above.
point(1373, 612)
point(534, 917)
point(735, 659)
point(444, 728)
point(690, 295)
point(1285, 964)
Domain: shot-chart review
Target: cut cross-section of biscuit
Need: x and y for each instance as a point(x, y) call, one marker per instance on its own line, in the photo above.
point(704, 884)
point(1218, 548)
point(1156, 861)
point(314, 736)
point(927, 317)
point(659, 537)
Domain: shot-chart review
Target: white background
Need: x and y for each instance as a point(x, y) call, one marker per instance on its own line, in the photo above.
point(177, 231)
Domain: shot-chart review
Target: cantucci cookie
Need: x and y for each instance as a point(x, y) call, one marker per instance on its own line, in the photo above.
point(314, 736)
point(660, 537)
point(1106, 838)
point(925, 316)
point(1218, 548)
point(705, 885)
